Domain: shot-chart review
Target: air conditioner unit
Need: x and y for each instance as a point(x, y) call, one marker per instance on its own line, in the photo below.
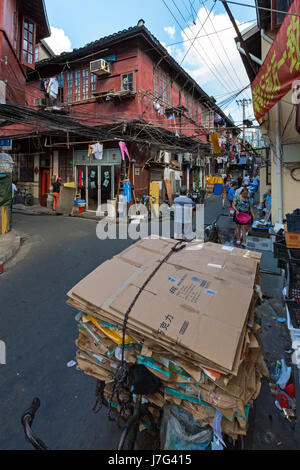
point(38, 102)
point(100, 67)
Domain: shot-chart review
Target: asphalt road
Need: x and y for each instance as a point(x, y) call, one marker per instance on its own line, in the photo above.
point(39, 331)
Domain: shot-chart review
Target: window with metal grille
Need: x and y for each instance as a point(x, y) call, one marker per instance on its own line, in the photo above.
point(162, 86)
point(77, 80)
point(85, 84)
point(26, 168)
point(60, 96)
point(127, 82)
point(28, 54)
point(70, 87)
point(93, 84)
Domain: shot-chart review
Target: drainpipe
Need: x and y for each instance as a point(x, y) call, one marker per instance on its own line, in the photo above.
point(255, 59)
point(278, 163)
point(266, 37)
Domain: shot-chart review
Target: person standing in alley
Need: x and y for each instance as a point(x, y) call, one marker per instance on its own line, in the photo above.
point(183, 218)
point(56, 192)
point(224, 192)
point(243, 211)
point(240, 181)
point(246, 179)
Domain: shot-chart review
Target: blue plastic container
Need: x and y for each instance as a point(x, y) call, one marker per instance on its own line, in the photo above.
point(218, 188)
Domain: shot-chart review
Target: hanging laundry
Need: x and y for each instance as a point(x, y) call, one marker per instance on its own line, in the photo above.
point(96, 150)
point(227, 146)
point(214, 139)
point(80, 178)
point(53, 87)
point(170, 116)
point(127, 191)
point(124, 150)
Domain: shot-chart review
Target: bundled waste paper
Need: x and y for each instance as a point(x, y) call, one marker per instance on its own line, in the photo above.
point(191, 322)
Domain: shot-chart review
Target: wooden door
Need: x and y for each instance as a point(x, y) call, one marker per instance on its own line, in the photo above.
point(45, 187)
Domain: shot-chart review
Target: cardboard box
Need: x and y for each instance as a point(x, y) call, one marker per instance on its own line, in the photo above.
point(198, 300)
point(292, 239)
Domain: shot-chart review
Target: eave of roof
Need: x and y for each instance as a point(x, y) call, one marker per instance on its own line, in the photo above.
point(36, 10)
point(127, 34)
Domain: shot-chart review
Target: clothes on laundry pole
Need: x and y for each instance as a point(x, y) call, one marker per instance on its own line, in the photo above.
point(127, 191)
point(124, 150)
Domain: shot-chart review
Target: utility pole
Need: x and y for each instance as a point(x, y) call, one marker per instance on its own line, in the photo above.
point(244, 103)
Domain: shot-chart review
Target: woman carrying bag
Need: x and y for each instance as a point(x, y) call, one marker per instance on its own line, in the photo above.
point(242, 216)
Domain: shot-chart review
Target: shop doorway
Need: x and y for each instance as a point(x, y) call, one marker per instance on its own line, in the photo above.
point(96, 184)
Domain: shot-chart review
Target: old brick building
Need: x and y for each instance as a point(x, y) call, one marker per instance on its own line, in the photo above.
point(129, 88)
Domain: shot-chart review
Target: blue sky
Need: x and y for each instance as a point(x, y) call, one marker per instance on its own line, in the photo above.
point(213, 60)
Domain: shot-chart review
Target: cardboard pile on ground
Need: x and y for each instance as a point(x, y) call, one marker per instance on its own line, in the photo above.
point(193, 326)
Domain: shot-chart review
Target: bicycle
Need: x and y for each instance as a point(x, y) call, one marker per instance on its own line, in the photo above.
point(24, 197)
point(138, 412)
point(212, 232)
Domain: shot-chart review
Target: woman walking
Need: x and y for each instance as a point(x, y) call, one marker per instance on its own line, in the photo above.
point(242, 216)
point(224, 192)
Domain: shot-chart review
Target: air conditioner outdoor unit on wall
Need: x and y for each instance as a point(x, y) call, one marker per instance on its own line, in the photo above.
point(39, 102)
point(100, 67)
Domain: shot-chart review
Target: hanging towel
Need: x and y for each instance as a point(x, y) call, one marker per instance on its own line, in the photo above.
point(124, 150)
point(214, 139)
point(98, 151)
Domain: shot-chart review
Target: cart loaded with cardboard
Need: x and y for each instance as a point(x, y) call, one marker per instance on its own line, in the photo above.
point(186, 313)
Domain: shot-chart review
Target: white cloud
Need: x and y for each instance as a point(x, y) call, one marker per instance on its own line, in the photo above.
point(170, 30)
point(214, 61)
point(58, 41)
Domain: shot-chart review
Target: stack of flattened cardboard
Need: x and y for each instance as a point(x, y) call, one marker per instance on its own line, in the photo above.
point(193, 325)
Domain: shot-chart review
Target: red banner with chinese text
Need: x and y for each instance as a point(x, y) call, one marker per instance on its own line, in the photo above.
point(281, 66)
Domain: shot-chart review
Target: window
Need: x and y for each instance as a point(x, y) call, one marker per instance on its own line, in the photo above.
point(77, 80)
point(26, 168)
point(60, 96)
point(127, 82)
point(277, 18)
point(36, 56)
point(28, 49)
point(66, 168)
point(85, 84)
point(156, 82)
point(70, 87)
point(162, 86)
point(93, 84)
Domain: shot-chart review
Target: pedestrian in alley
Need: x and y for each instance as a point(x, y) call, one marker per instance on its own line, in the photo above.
point(56, 192)
point(224, 191)
point(231, 193)
point(240, 181)
point(183, 218)
point(240, 189)
point(246, 179)
point(242, 217)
